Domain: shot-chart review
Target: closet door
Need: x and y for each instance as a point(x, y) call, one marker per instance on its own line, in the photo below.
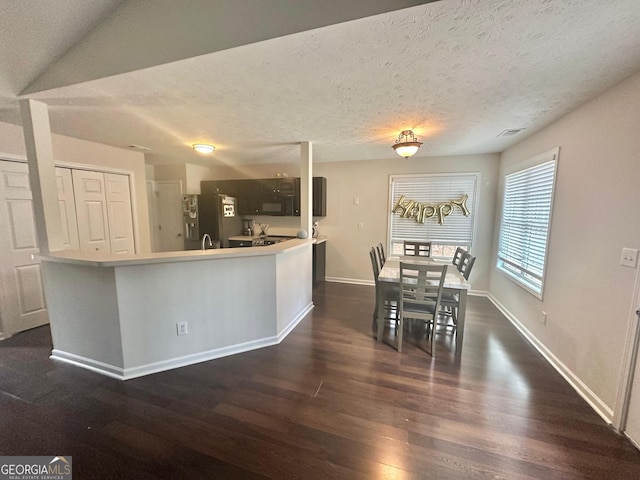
point(91, 208)
point(119, 213)
point(22, 305)
point(66, 201)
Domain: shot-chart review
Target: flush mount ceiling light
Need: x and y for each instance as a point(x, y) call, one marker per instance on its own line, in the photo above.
point(407, 144)
point(203, 148)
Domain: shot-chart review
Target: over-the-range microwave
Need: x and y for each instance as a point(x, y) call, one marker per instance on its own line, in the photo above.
point(279, 205)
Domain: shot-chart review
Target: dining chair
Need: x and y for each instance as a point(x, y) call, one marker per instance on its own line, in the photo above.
point(457, 257)
point(381, 256)
point(417, 249)
point(466, 264)
point(450, 301)
point(391, 300)
point(455, 261)
point(420, 293)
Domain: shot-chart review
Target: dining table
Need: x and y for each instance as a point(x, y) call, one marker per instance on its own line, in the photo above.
point(455, 283)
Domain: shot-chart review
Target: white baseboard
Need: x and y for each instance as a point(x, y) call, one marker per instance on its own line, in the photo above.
point(287, 330)
point(600, 407)
point(186, 360)
point(88, 363)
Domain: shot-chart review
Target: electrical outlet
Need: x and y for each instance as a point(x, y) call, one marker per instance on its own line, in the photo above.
point(543, 317)
point(629, 257)
point(181, 327)
point(360, 225)
point(356, 200)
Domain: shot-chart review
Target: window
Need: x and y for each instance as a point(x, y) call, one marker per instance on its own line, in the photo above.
point(525, 222)
point(456, 229)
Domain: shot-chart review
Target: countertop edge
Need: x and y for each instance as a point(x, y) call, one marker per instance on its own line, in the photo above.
point(319, 239)
point(76, 257)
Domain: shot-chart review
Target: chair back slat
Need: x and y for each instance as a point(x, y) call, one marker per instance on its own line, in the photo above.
point(381, 256)
point(374, 264)
point(417, 249)
point(457, 257)
point(421, 285)
point(466, 265)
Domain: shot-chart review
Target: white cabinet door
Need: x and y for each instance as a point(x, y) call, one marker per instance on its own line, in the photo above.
point(66, 201)
point(119, 213)
point(22, 304)
point(91, 207)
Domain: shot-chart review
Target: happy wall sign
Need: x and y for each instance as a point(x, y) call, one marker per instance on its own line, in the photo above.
point(421, 211)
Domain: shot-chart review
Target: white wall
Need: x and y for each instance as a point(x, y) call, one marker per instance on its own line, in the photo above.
point(171, 172)
point(348, 247)
point(194, 175)
point(73, 150)
point(264, 170)
point(587, 293)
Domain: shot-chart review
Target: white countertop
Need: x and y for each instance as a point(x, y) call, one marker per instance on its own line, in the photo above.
point(99, 259)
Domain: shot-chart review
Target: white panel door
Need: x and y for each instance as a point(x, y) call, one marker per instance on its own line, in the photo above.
point(23, 304)
point(170, 226)
point(66, 201)
point(119, 213)
point(91, 208)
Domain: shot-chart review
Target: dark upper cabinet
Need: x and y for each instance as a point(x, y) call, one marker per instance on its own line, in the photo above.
point(249, 194)
point(287, 186)
point(253, 195)
point(319, 197)
point(228, 187)
point(279, 187)
point(209, 187)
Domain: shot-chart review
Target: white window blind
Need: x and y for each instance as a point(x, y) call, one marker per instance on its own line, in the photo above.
point(524, 228)
point(456, 229)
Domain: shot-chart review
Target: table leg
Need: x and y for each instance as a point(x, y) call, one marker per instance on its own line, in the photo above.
point(381, 290)
point(462, 310)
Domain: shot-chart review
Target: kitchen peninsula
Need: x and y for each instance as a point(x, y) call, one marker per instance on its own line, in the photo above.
point(127, 316)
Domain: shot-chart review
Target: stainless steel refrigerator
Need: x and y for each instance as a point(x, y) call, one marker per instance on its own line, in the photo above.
point(219, 218)
point(191, 222)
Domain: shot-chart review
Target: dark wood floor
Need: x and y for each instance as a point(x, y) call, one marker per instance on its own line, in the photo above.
point(328, 402)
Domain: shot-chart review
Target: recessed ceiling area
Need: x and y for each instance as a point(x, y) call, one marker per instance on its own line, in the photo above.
point(456, 73)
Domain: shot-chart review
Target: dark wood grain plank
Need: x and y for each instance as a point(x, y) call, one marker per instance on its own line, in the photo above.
point(328, 402)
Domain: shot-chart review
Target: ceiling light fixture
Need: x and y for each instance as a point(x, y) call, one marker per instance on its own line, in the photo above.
point(203, 148)
point(407, 144)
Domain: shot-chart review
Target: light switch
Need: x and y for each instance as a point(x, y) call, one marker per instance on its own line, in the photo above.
point(360, 225)
point(356, 200)
point(629, 257)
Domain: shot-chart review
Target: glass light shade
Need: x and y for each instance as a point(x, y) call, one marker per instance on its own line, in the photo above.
point(203, 148)
point(406, 149)
point(407, 144)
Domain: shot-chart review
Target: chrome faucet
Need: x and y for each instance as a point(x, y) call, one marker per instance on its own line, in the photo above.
point(206, 236)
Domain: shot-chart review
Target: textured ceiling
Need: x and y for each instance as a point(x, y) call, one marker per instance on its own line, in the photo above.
point(34, 33)
point(456, 72)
